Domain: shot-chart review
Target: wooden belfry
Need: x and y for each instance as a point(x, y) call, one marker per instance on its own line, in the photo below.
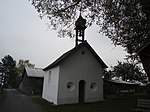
point(80, 28)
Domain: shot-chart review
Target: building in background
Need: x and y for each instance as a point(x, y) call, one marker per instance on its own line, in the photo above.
point(32, 81)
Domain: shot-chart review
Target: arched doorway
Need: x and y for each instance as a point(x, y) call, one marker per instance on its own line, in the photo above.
point(81, 91)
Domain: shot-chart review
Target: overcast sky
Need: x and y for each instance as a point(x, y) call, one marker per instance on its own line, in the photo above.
point(23, 35)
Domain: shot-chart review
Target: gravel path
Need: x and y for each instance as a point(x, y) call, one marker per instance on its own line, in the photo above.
point(18, 102)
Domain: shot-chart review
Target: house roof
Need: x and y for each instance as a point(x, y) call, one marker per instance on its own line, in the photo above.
point(34, 72)
point(120, 82)
point(65, 55)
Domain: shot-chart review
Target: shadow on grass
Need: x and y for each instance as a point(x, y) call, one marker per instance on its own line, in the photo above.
point(119, 104)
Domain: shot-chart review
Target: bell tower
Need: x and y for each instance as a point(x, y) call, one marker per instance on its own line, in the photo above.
point(80, 28)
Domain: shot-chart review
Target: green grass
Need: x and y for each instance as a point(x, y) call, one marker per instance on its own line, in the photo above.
point(119, 104)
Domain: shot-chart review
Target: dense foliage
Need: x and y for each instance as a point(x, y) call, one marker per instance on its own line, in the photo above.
point(22, 64)
point(9, 72)
point(127, 71)
point(62, 14)
point(125, 22)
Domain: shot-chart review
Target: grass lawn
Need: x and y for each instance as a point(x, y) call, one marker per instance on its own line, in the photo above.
point(119, 104)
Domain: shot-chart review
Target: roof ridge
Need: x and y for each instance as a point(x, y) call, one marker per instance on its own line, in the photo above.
point(68, 53)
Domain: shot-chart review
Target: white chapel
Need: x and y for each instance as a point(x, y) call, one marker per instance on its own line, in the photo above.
point(76, 76)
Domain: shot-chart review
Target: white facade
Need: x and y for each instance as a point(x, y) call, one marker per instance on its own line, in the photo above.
point(50, 86)
point(78, 78)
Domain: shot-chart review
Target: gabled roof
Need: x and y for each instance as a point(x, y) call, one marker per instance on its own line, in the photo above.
point(34, 72)
point(123, 82)
point(65, 55)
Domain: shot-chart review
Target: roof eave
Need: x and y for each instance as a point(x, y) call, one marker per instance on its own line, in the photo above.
point(59, 60)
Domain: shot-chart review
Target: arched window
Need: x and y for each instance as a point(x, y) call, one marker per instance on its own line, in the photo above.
point(49, 77)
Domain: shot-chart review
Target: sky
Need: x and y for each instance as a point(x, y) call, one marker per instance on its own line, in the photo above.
point(23, 35)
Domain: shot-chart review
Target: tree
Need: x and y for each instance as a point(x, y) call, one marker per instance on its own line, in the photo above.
point(22, 64)
point(1, 75)
point(62, 14)
point(128, 71)
point(125, 22)
point(1, 79)
point(108, 74)
point(8, 66)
